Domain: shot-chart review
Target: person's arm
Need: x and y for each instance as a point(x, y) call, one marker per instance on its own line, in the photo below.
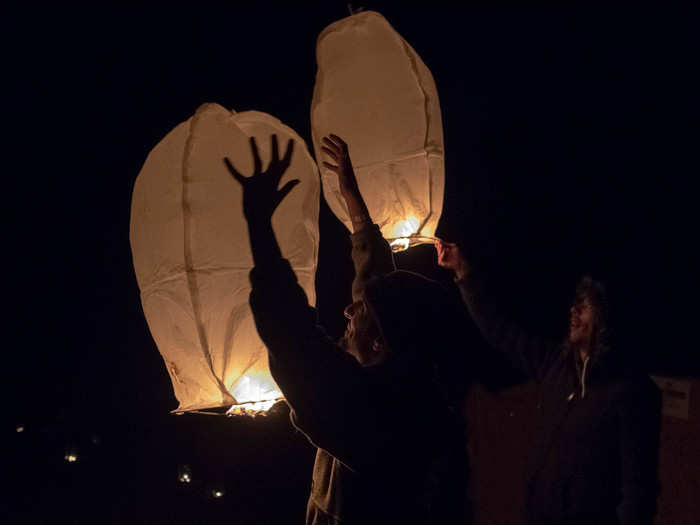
point(640, 420)
point(326, 388)
point(528, 352)
point(371, 254)
point(329, 394)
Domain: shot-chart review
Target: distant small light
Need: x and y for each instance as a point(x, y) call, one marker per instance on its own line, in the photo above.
point(184, 474)
point(218, 493)
point(20, 428)
point(71, 458)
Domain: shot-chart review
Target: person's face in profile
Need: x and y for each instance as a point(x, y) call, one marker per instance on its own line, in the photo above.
point(581, 321)
point(362, 339)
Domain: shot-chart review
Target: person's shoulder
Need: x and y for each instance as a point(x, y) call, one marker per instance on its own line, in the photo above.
point(634, 385)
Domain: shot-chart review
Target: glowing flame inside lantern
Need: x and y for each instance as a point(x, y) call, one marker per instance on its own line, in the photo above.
point(405, 228)
point(254, 396)
point(402, 232)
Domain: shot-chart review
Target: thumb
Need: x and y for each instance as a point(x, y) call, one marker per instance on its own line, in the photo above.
point(234, 172)
point(284, 190)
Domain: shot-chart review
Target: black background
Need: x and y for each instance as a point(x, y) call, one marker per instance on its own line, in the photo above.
point(570, 141)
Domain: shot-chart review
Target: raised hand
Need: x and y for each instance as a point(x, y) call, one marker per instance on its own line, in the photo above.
point(449, 256)
point(337, 150)
point(260, 193)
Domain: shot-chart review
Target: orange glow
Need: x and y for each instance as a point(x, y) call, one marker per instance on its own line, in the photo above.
point(255, 396)
point(400, 233)
point(254, 389)
point(405, 228)
point(251, 409)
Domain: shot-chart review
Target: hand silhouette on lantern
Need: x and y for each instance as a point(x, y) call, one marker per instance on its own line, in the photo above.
point(261, 195)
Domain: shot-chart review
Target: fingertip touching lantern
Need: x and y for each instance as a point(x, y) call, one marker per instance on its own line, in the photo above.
point(192, 257)
point(373, 90)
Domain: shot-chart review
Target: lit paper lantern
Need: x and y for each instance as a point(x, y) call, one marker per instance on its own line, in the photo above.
point(191, 253)
point(373, 90)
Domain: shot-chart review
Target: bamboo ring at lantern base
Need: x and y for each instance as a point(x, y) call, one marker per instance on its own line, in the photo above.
point(399, 244)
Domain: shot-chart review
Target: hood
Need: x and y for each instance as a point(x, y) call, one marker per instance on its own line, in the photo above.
point(421, 323)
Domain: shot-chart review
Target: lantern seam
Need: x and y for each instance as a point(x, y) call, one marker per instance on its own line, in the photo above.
point(190, 272)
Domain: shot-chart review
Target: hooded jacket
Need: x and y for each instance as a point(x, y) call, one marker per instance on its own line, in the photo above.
point(388, 448)
point(594, 460)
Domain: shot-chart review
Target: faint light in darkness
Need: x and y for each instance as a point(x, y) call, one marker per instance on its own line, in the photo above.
point(20, 428)
point(184, 474)
point(71, 458)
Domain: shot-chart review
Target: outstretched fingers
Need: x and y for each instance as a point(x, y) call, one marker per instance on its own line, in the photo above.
point(331, 167)
point(284, 190)
point(287, 159)
point(333, 146)
point(340, 144)
point(274, 146)
point(331, 153)
point(257, 163)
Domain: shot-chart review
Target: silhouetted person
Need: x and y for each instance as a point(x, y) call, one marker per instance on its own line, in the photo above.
point(389, 447)
point(596, 450)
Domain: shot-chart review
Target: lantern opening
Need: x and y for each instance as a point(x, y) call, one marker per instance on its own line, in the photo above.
point(405, 235)
point(255, 396)
point(256, 408)
point(404, 243)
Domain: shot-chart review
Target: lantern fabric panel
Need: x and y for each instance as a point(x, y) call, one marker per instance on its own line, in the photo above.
point(192, 253)
point(373, 90)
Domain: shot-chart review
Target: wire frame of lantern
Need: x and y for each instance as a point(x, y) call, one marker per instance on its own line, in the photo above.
point(192, 255)
point(373, 90)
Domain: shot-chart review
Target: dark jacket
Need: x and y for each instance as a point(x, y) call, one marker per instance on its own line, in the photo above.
point(595, 456)
point(385, 442)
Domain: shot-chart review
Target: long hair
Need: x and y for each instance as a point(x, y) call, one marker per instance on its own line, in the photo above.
point(593, 290)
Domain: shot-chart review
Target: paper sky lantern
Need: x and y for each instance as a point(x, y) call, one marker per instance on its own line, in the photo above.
point(191, 253)
point(373, 90)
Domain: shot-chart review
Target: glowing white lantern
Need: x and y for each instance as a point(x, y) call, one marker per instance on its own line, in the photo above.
point(192, 256)
point(373, 90)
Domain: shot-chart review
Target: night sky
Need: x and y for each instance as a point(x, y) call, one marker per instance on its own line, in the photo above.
point(570, 141)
